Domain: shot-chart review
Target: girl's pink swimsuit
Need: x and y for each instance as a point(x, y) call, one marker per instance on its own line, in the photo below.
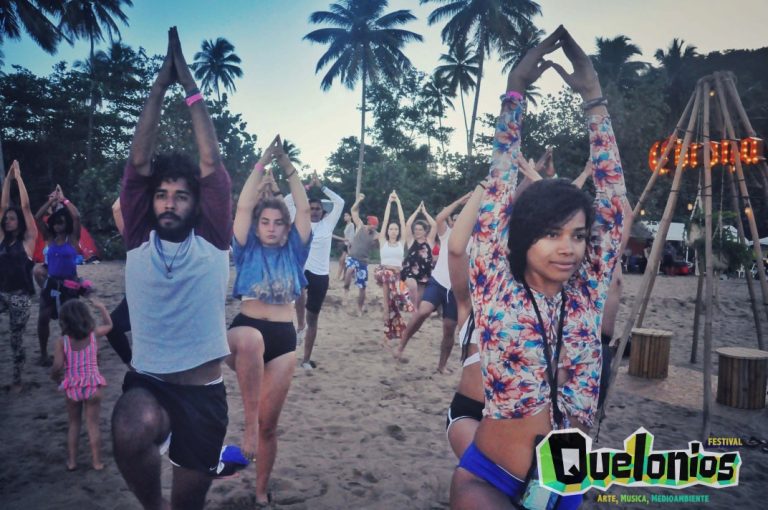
point(82, 377)
point(511, 346)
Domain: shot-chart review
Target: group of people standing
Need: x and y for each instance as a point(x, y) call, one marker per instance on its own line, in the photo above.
point(527, 269)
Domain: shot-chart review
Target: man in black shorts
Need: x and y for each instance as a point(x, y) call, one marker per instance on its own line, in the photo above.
point(177, 228)
point(317, 268)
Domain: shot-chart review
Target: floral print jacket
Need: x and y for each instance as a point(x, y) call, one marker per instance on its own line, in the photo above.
point(511, 343)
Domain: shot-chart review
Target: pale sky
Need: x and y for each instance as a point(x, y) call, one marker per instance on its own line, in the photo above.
point(280, 92)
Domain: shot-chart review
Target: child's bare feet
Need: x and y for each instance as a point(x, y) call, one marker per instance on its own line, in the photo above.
point(98, 466)
point(71, 466)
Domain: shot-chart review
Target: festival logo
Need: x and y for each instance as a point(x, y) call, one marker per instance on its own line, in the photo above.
point(567, 464)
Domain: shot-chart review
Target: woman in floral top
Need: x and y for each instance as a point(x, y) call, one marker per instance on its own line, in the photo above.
point(539, 272)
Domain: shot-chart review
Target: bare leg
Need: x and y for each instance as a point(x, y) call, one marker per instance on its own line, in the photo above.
point(413, 290)
point(361, 301)
point(348, 279)
point(469, 492)
point(92, 411)
point(40, 273)
point(43, 332)
point(189, 489)
point(74, 410)
point(311, 334)
point(247, 360)
point(342, 263)
point(277, 380)
point(301, 303)
point(422, 313)
point(139, 426)
point(461, 434)
point(449, 332)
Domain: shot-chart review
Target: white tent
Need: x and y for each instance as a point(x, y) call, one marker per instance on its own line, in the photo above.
point(676, 230)
point(763, 242)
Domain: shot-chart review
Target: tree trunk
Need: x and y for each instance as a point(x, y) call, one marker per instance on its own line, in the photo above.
point(466, 127)
point(477, 100)
point(91, 112)
point(362, 144)
point(442, 144)
point(2, 161)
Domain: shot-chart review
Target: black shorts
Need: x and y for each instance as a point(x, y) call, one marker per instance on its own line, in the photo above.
point(463, 407)
point(198, 419)
point(439, 295)
point(55, 294)
point(279, 337)
point(317, 288)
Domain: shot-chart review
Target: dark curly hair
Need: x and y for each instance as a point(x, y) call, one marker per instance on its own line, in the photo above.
point(75, 319)
point(21, 230)
point(175, 166)
point(546, 204)
point(54, 218)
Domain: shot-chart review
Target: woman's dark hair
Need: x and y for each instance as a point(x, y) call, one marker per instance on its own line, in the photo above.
point(546, 204)
point(75, 319)
point(272, 203)
point(21, 230)
point(423, 224)
point(54, 218)
point(399, 234)
point(172, 167)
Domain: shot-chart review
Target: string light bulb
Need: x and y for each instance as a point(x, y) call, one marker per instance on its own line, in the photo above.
point(642, 212)
point(690, 207)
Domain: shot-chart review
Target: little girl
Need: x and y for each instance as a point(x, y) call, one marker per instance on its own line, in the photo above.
point(76, 367)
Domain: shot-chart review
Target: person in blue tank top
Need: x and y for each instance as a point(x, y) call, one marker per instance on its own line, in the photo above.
point(62, 236)
point(269, 254)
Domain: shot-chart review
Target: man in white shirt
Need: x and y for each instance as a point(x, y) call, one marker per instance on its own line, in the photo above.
point(317, 267)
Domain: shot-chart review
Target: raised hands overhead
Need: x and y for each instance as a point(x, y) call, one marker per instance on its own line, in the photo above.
point(533, 64)
point(183, 74)
point(167, 75)
point(528, 168)
point(583, 79)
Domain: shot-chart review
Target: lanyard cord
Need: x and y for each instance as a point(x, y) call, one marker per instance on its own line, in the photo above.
point(551, 371)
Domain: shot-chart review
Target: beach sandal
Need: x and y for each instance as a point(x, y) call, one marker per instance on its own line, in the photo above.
point(231, 461)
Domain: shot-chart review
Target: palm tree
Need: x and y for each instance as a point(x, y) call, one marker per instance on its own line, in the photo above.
point(436, 95)
point(674, 62)
point(514, 49)
point(293, 152)
point(31, 15)
point(460, 70)
point(216, 65)
point(84, 19)
point(612, 61)
point(486, 23)
point(363, 44)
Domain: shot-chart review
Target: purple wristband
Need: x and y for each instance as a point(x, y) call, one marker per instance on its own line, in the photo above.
point(512, 95)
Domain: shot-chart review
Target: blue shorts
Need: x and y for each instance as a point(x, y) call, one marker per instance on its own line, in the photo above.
point(484, 468)
point(361, 271)
point(440, 296)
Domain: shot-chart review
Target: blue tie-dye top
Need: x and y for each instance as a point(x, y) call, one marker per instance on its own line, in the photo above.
point(273, 275)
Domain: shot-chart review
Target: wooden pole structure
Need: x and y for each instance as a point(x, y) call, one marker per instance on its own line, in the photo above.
point(698, 307)
point(650, 273)
point(743, 188)
point(666, 218)
point(730, 86)
point(665, 153)
point(703, 91)
point(747, 272)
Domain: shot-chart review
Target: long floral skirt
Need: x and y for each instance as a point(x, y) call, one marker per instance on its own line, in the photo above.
point(399, 301)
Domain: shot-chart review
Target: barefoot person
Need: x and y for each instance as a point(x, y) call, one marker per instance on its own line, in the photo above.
point(420, 240)
point(349, 234)
point(365, 239)
point(438, 291)
point(387, 274)
point(76, 368)
point(17, 244)
point(177, 229)
point(318, 266)
point(270, 253)
point(62, 235)
point(537, 297)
